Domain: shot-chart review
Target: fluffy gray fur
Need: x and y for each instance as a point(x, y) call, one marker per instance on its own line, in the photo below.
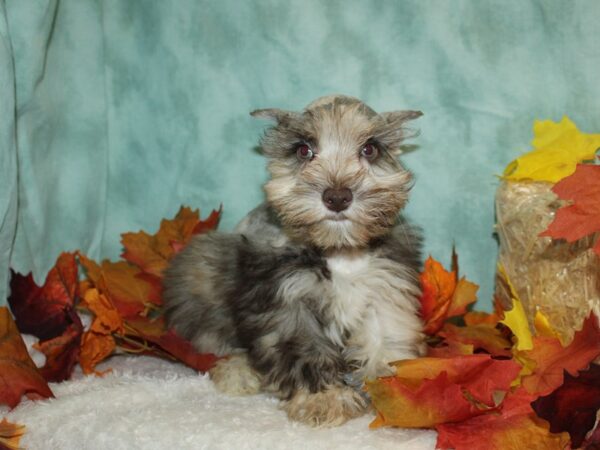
point(302, 295)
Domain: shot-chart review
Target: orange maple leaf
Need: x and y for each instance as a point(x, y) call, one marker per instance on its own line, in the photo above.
point(10, 435)
point(551, 359)
point(19, 376)
point(120, 282)
point(98, 343)
point(429, 391)
point(582, 216)
point(514, 427)
point(151, 253)
point(95, 348)
point(443, 295)
point(481, 337)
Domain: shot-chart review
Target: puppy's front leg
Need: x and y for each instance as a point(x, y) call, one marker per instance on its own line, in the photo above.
point(282, 319)
point(299, 362)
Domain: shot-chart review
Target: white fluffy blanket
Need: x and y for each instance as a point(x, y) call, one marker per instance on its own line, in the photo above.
point(147, 403)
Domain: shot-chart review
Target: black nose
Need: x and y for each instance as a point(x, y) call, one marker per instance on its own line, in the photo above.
point(337, 199)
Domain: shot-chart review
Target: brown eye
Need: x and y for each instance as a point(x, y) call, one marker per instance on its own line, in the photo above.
point(369, 151)
point(304, 152)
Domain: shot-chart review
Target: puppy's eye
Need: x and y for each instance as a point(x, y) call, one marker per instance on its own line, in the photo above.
point(369, 151)
point(304, 152)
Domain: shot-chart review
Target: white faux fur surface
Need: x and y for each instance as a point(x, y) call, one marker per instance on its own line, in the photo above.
point(147, 403)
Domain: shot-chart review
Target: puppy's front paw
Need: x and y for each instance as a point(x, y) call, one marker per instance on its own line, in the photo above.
point(329, 408)
point(234, 376)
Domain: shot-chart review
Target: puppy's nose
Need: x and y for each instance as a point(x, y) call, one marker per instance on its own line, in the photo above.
point(337, 199)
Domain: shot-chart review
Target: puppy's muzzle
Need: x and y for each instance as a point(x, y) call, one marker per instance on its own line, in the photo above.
point(337, 199)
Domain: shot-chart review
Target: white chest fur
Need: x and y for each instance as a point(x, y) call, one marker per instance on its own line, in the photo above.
point(375, 300)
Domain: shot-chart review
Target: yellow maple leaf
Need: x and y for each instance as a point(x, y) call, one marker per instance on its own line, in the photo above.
point(516, 320)
point(557, 148)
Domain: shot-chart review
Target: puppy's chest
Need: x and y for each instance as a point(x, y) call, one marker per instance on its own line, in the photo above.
point(361, 284)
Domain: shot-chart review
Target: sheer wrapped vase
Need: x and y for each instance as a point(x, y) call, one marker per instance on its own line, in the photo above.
point(558, 278)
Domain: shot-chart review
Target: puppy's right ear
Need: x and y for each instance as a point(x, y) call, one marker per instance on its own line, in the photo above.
point(279, 115)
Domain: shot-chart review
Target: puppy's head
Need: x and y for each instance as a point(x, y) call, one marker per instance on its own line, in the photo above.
point(335, 179)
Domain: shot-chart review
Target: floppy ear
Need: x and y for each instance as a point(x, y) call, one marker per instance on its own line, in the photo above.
point(393, 132)
point(399, 117)
point(279, 115)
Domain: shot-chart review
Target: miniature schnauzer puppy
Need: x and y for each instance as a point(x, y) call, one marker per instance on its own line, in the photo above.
point(318, 285)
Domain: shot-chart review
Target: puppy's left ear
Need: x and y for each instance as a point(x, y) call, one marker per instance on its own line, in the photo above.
point(399, 117)
point(393, 132)
point(279, 115)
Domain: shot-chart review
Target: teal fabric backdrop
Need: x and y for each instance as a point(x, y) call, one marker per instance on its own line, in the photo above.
point(116, 112)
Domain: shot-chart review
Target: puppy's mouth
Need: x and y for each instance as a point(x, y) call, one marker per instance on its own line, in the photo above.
point(339, 217)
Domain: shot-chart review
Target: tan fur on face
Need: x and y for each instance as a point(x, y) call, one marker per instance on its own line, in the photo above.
point(337, 128)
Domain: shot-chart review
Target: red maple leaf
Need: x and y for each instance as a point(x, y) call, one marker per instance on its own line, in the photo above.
point(552, 359)
point(514, 427)
point(582, 216)
point(45, 311)
point(48, 312)
point(168, 341)
point(573, 406)
point(62, 352)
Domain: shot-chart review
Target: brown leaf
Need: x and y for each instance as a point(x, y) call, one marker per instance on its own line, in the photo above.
point(18, 374)
point(120, 282)
point(151, 253)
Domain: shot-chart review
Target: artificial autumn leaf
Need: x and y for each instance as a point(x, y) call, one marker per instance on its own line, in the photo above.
point(592, 442)
point(119, 281)
point(151, 253)
point(430, 391)
point(558, 147)
point(552, 359)
point(95, 348)
point(443, 296)
point(167, 340)
point(514, 427)
point(573, 406)
point(18, 374)
point(43, 311)
point(481, 318)
point(516, 320)
point(106, 317)
point(450, 349)
point(481, 337)
point(433, 402)
point(10, 435)
point(98, 343)
point(581, 217)
point(62, 352)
